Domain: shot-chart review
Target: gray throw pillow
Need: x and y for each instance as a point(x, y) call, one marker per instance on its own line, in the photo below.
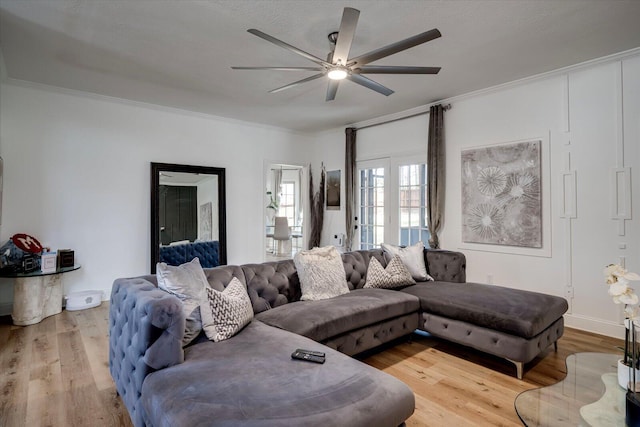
point(225, 313)
point(412, 257)
point(321, 273)
point(188, 283)
point(395, 275)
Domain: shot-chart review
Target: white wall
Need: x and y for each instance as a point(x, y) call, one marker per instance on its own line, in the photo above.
point(580, 114)
point(589, 121)
point(77, 175)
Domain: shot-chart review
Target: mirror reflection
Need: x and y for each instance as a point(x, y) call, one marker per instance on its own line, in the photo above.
point(187, 215)
point(284, 211)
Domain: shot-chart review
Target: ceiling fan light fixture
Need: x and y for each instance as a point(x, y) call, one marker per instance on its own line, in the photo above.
point(337, 73)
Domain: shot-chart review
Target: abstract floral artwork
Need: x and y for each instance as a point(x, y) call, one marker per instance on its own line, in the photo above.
point(501, 195)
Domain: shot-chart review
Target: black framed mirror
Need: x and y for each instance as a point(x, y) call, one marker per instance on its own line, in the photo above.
point(188, 215)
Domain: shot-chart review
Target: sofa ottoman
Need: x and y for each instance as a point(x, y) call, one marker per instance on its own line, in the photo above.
point(253, 381)
point(510, 323)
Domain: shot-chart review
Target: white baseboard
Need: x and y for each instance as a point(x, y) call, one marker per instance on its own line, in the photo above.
point(598, 326)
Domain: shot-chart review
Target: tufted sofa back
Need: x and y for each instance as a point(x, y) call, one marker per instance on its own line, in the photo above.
point(356, 264)
point(208, 252)
point(446, 266)
point(272, 284)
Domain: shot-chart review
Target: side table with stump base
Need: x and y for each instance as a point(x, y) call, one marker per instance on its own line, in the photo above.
point(37, 295)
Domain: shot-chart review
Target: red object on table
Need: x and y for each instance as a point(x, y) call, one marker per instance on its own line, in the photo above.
point(27, 243)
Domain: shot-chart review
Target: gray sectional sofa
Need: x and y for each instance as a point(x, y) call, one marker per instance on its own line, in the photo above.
point(251, 380)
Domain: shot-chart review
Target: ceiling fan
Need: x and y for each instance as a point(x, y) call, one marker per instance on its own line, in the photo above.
point(339, 66)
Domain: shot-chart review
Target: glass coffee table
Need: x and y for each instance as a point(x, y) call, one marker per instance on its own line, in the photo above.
point(588, 396)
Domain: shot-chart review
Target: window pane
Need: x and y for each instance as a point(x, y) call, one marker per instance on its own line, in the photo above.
point(412, 209)
point(404, 217)
point(371, 207)
point(287, 202)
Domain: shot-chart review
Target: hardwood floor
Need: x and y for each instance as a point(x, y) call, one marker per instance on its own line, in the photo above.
point(56, 373)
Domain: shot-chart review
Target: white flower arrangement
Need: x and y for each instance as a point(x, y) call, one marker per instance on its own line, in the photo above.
point(618, 280)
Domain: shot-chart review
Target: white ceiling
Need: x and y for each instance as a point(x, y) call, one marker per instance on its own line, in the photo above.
point(178, 53)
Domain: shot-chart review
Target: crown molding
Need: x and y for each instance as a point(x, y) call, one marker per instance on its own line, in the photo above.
point(423, 109)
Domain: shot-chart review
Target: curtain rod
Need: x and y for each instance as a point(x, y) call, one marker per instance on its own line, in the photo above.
point(445, 107)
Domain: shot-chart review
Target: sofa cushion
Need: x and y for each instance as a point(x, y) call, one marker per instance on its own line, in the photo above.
point(394, 275)
point(188, 283)
point(321, 273)
point(251, 380)
point(412, 257)
point(320, 320)
point(226, 312)
point(514, 311)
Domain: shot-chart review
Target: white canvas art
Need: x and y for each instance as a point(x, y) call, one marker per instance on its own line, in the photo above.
point(501, 195)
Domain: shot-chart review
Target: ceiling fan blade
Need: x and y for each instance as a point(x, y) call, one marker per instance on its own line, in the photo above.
point(394, 69)
point(345, 35)
point(362, 80)
point(289, 47)
point(332, 89)
point(290, 85)
point(281, 68)
point(396, 47)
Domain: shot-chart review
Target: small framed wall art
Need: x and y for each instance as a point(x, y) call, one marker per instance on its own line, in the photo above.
point(333, 190)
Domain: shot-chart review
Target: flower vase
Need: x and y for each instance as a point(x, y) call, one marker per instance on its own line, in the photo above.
point(632, 402)
point(271, 214)
point(625, 374)
point(632, 410)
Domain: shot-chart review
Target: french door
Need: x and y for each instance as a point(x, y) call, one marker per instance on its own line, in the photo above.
point(392, 202)
point(372, 175)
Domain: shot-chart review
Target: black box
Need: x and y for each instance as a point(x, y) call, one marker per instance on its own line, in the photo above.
point(65, 258)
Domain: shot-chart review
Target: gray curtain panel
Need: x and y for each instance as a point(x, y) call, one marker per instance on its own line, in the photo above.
point(435, 171)
point(350, 186)
point(316, 208)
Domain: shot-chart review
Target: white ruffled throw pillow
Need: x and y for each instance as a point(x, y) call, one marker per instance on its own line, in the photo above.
point(321, 273)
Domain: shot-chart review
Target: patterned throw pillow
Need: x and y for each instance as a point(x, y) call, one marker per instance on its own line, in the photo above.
point(227, 312)
point(394, 276)
point(321, 273)
point(412, 257)
point(188, 283)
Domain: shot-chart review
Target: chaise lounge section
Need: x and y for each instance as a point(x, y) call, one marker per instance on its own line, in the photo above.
point(250, 379)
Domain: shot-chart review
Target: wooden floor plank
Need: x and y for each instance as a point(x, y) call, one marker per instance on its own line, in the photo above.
point(45, 395)
point(15, 358)
point(455, 385)
point(56, 373)
point(95, 338)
